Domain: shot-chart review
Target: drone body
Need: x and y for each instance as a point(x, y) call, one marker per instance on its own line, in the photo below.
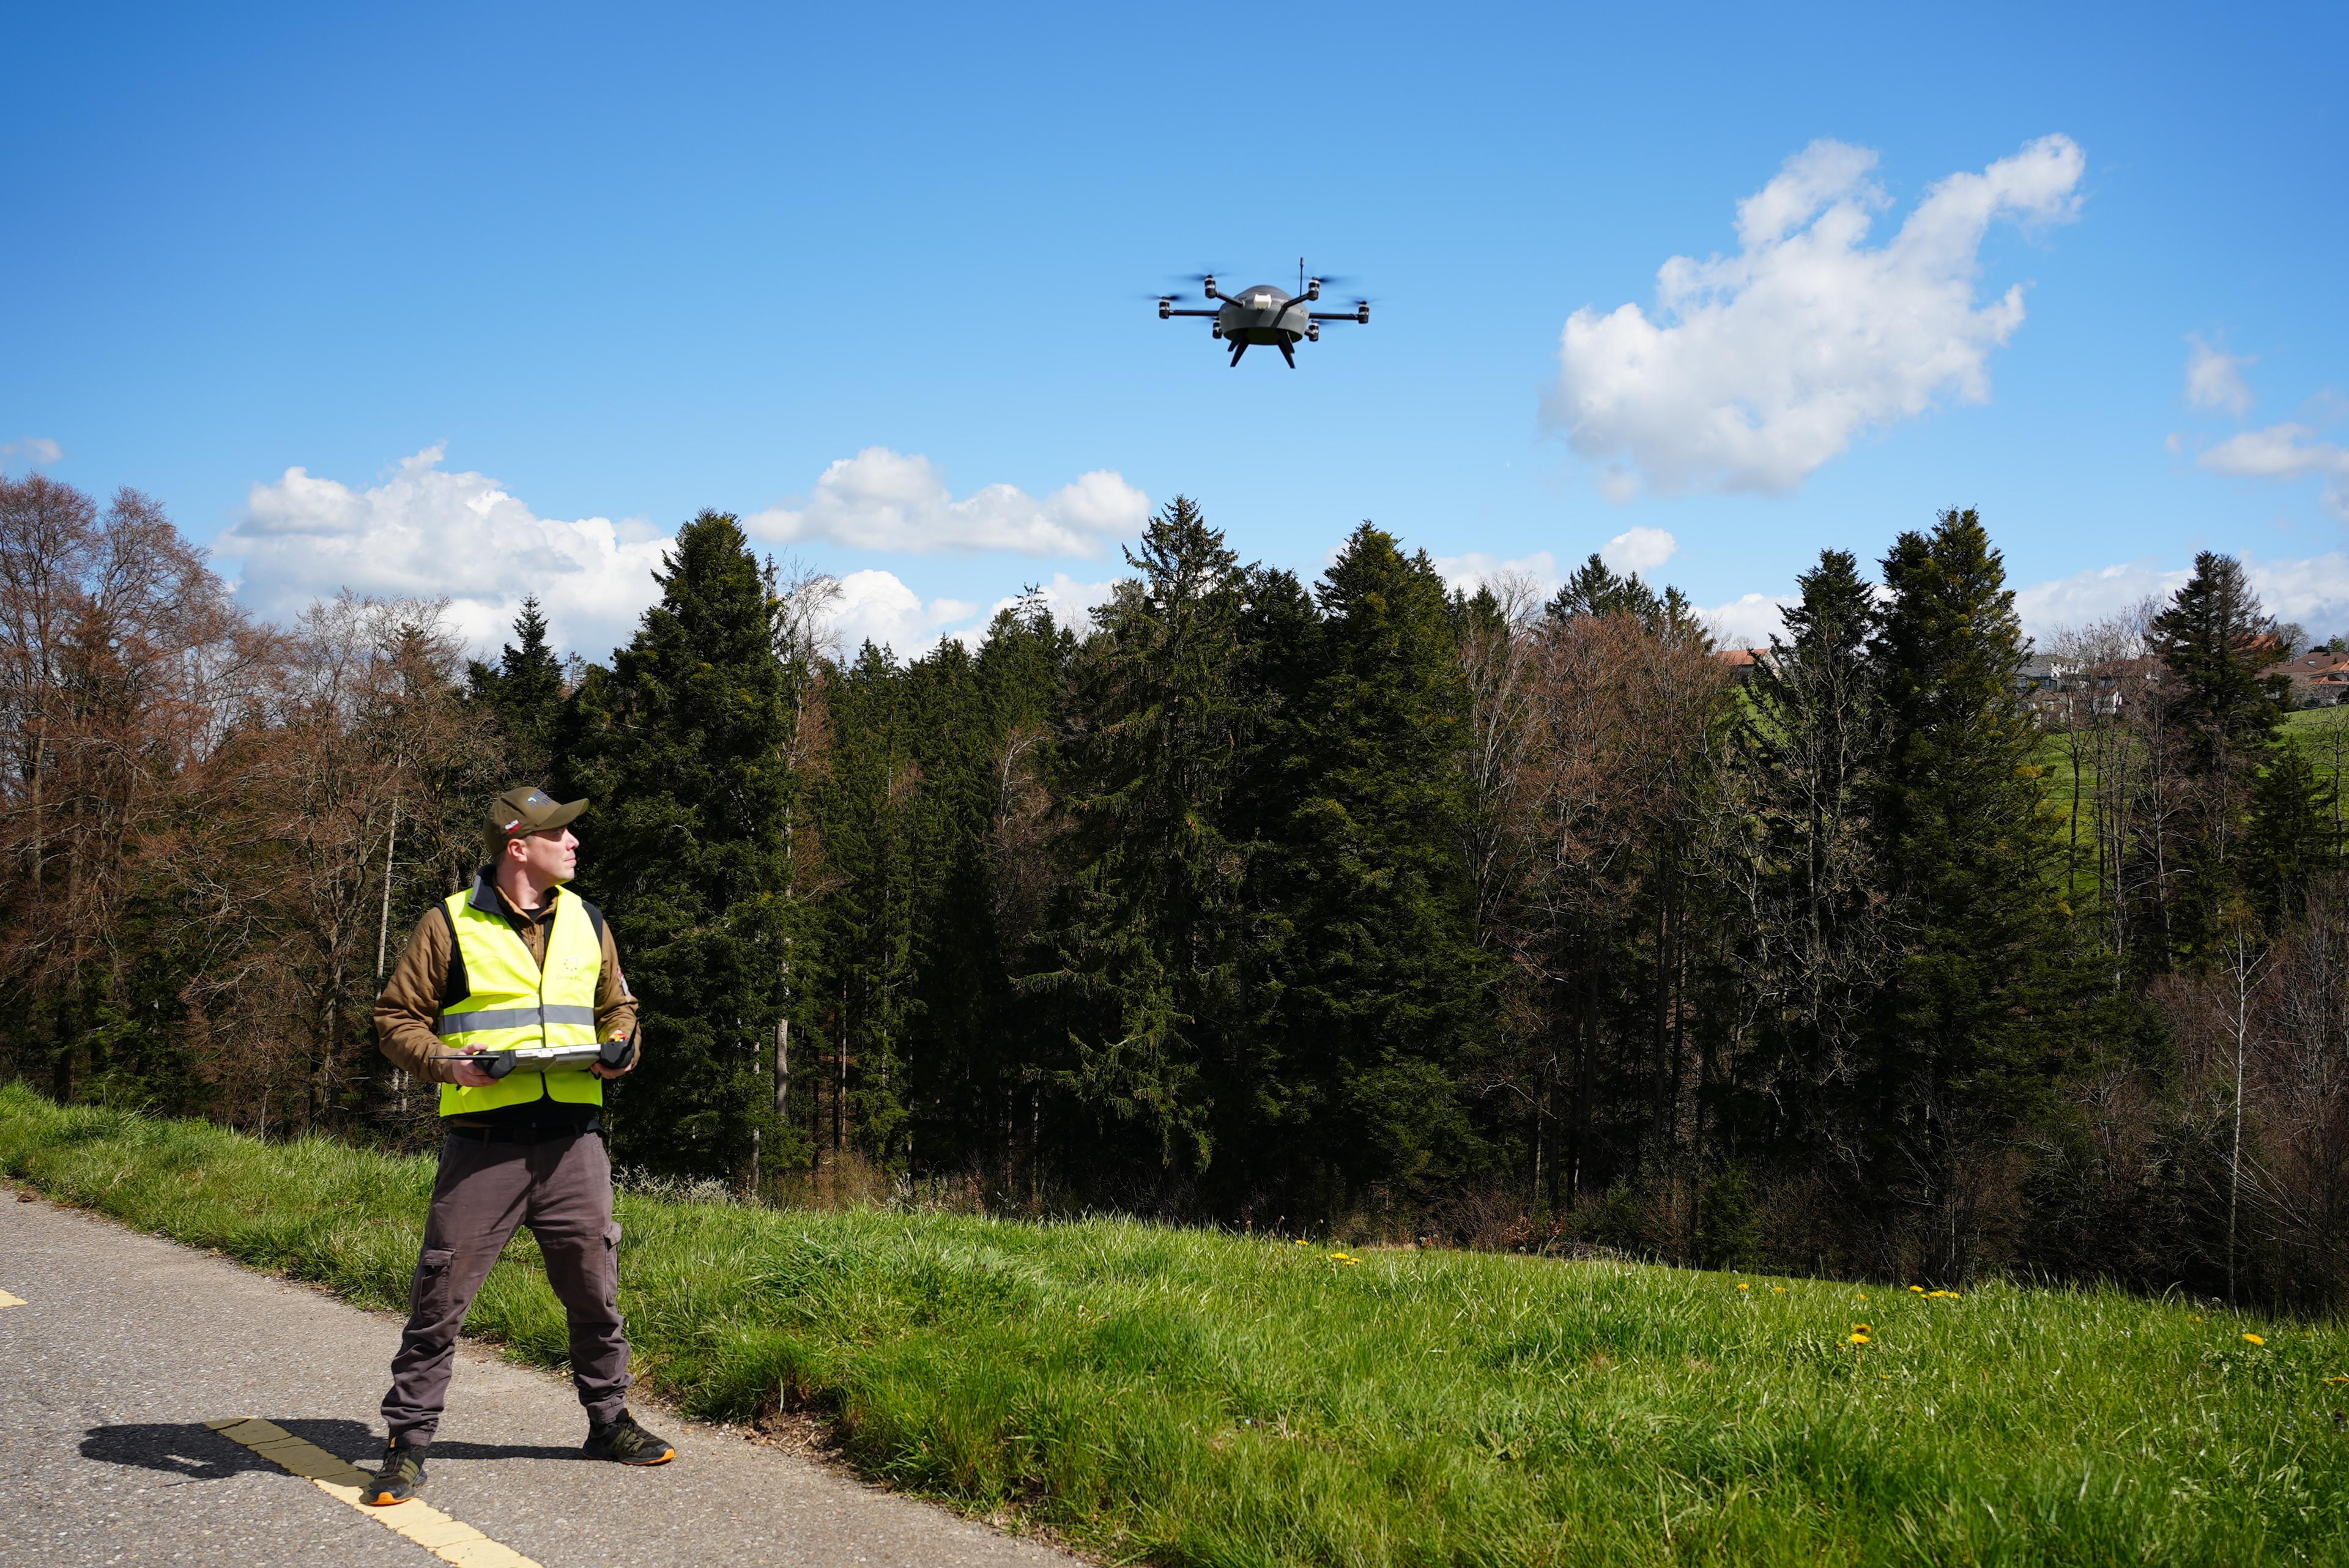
point(1263, 314)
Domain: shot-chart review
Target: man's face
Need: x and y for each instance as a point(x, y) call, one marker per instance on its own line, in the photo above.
point(552, 856)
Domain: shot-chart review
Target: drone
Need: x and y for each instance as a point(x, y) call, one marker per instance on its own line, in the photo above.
point(1263, 314)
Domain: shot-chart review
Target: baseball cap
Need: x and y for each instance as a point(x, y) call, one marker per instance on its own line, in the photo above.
point(526, 811)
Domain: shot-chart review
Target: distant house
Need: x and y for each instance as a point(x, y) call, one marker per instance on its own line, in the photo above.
point(2319, 677)
point(1742, 662)
point(2066, 693)
point(2044, 672)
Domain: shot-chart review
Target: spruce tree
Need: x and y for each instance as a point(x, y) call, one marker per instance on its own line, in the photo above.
point(874, 798)
point(679, 746)
point(1381, 974)
point(2217, 645)
point(2290, 847)
point(2221, 709)
point(1965, 1032)
point(1594, 588)
point(1812, 946)
point(1138, 976)
point(526, 692)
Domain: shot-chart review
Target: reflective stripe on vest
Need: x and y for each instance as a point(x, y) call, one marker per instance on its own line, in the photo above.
point(472, 1024)
point(515, 1003)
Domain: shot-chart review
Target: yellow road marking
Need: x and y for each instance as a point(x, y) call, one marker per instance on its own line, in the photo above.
point(8, 1300)
point(451, 1540)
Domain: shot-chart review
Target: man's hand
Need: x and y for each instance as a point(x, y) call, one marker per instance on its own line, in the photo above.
point(626, 1066)
point(470, 1076)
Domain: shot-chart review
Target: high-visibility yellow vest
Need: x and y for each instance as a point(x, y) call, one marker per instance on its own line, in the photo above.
point(510, 1001)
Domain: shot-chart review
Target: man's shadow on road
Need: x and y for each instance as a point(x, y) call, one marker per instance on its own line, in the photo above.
point(193, 1451)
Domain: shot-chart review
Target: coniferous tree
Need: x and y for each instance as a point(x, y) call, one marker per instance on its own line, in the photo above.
point(986, 1082)
point(2220, 711)
point(525, 691)
point(1383, 973)
point(2291, 842)
point(679, 748)
point(1811, 936)
point(874, 798)
point(1963, 1032)
point(1594, 588)
point(2217, 645)
point(1139, 974)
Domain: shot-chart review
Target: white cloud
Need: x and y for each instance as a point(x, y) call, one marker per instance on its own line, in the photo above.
point(2313, 590)
point(1467, 574)
point(875, 606)
point(2214, 379)
point(38, 451)
point(2046, 608)
point(1070, 601)
point(1749, 621)
point(2286, 452)
point(426, 532)
point(1639, 549)
point(882, 499)
point(1759, 367)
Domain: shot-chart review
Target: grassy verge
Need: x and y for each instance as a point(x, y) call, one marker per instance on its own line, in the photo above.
point(1190, 1398)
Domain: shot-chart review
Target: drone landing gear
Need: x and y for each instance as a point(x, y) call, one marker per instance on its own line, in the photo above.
point(1289, 354)
point(1238, 349)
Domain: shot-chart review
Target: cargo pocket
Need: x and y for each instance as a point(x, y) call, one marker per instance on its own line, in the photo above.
point(428, 1297)
point(610, 1283)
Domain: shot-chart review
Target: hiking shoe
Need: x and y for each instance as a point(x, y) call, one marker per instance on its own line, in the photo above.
point(401, 1476)
point(627, 1442)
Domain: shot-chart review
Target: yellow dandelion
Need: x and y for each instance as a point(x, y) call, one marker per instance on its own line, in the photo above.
point(1918, 1288)
point(2337, 1379)
point(1863, 1296)
point(1856, 1339)
point(1863, 1328)
point(2254, 1339)
point(1779, 1288)
point(1339, 1258)
point(1741, 1285)
point(2195, 1315)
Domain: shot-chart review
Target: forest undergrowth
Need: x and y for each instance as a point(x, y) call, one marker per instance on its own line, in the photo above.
point(1196, 1397)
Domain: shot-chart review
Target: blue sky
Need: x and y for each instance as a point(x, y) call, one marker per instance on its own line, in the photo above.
point(520, 289)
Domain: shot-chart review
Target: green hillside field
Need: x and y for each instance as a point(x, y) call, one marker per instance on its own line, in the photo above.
point(1189, 1397)
point(2320, 733)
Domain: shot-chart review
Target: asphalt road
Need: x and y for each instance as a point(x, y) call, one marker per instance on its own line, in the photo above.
point(126, 1346)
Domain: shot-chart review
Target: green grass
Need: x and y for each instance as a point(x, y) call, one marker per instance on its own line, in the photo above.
point(1186, 1397)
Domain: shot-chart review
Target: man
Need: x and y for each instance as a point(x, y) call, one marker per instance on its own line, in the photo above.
point(516, 960)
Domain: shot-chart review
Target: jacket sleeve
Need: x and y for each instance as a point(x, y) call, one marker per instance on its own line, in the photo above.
point(407, 1012)
point(616, 1005)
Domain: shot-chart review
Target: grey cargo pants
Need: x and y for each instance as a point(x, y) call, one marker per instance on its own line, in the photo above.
point(562, 1189)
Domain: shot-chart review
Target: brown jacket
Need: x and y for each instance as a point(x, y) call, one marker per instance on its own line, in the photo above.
point(409, 1007)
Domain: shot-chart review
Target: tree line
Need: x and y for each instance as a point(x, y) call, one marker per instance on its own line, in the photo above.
point(1506, 918)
